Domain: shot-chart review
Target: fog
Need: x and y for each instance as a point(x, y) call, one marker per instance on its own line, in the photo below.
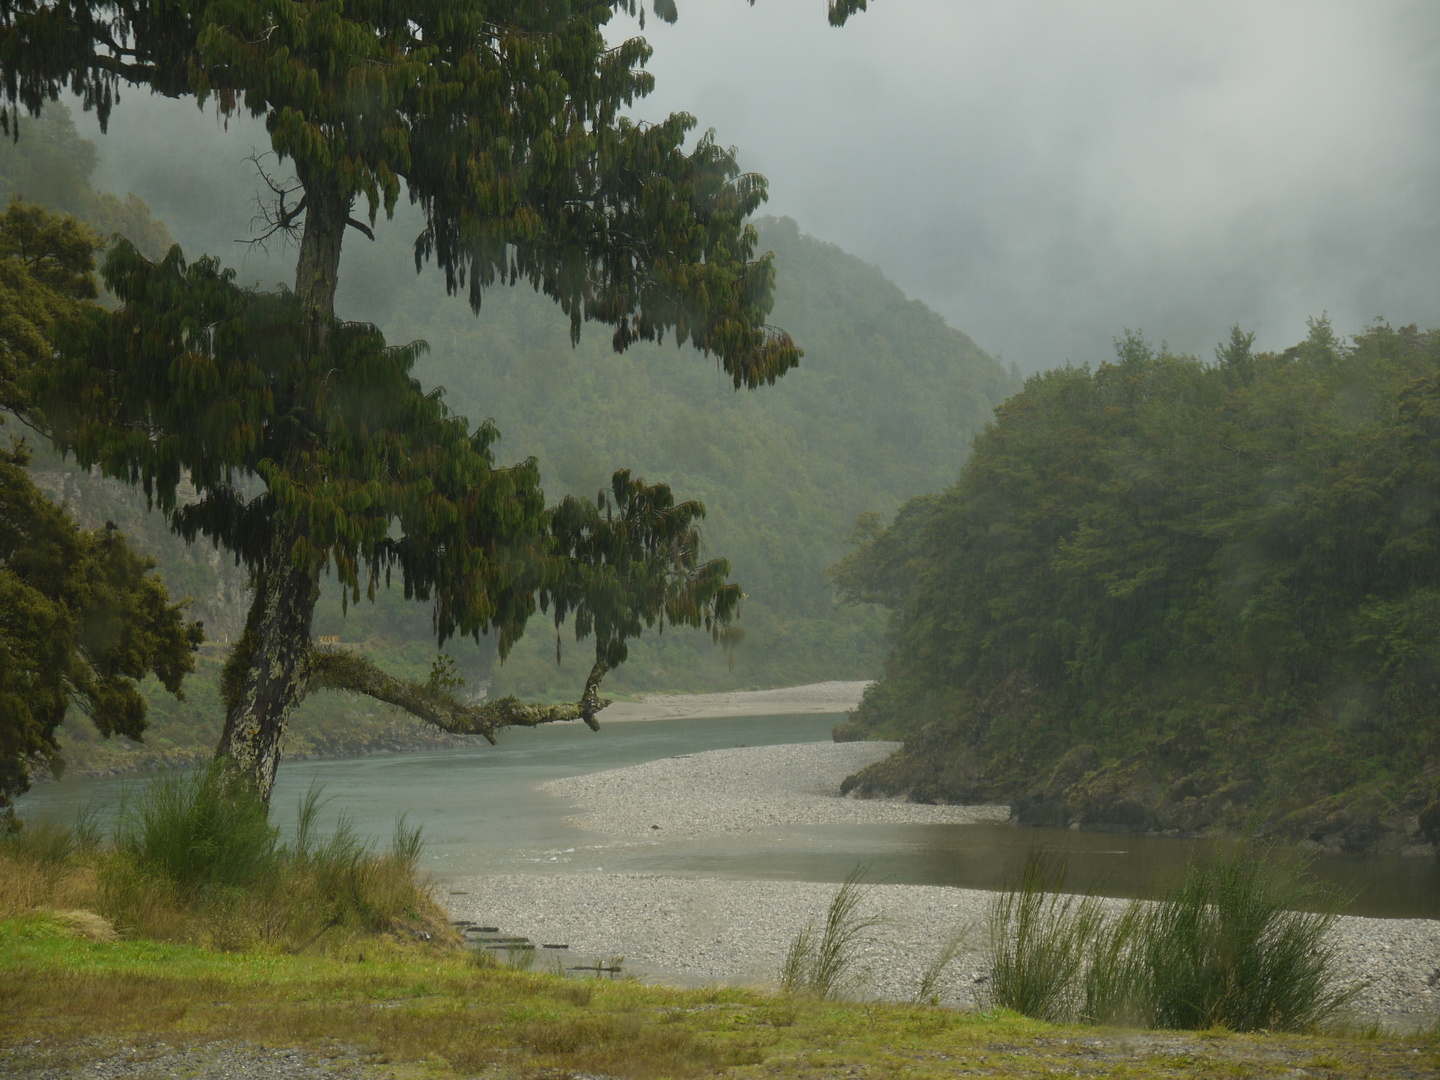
point(1042, 174)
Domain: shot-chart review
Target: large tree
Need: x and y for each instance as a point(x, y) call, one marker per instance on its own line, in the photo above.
point(309, 446)
point(82, 617)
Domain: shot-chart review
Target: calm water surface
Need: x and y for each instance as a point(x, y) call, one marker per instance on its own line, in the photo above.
point(481, 813)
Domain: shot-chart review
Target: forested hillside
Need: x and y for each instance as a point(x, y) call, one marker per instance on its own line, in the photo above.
point(1172, 595)
point(883, 407)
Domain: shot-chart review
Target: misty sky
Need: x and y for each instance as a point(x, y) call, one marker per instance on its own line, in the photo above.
point(1045, 174)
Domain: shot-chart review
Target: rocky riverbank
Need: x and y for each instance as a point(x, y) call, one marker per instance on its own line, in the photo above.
point(701, 930)
point(694, 931)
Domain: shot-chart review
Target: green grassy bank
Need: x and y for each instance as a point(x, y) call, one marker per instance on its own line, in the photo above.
point(424, 1010)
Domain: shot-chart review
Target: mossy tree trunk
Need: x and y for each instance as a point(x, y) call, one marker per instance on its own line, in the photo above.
point(268, 670)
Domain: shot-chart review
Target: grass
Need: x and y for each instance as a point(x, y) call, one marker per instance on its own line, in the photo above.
point(1040, 937)
point(424, 1010)
point(106, 949)
point(1225, 948)
point(825, 967)
point(191, 861)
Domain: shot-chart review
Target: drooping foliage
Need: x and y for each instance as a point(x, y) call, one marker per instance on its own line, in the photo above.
point(501, 119)
point(1237, 562)
point(503, 122)
point(82, 618)
point(199, 382)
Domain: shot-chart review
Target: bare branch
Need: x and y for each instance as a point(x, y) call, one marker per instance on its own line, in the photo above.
point(273, 216)
point(354, 224)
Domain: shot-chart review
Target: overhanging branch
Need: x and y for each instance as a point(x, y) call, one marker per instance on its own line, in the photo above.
point(334, 670)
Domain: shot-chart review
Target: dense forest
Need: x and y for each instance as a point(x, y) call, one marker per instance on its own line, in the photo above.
point(883, 407)
point(1173, 595)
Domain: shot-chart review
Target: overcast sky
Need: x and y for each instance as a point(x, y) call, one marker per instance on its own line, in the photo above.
point(1045, 174)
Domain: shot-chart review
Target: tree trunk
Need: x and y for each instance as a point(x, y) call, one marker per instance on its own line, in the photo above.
point(317, 270)
point(268, 670)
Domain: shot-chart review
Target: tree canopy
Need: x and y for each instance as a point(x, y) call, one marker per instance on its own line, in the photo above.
point(1242, 556)
point(309, 445)
point(82, 617)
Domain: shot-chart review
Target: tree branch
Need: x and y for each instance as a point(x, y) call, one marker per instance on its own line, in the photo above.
point(334, 670)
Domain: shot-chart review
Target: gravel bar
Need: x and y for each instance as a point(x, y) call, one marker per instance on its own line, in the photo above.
point(744, 790)
point(698, 931)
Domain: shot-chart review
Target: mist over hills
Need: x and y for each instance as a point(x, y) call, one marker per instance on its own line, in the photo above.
point(882, 408)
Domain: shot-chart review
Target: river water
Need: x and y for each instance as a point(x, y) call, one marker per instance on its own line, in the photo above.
point(481, 813)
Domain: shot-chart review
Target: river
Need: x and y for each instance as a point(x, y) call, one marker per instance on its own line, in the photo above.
point(481, 813)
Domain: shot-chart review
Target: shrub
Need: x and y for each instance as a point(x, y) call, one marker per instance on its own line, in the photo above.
point(1226, 947)
point(195, 830)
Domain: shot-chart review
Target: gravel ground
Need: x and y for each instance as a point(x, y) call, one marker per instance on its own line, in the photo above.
point(112, 1059)
point(694, 931)
point(745, 789)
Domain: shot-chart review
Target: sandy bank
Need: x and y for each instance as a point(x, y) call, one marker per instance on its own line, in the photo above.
point(825, 697)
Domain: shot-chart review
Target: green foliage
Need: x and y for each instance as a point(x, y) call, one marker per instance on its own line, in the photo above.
point(84, 620)
point(1242, 557)
point(543, 181)
point(1039, 939)
point(47, 264)
point(196, 831)
point(1225, 947)
point(83, 617)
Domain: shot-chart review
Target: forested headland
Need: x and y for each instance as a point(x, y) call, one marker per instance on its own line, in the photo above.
point(1174, 595)
point(882, 407)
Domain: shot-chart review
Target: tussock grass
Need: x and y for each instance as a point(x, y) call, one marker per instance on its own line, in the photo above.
point(1040, 937)
point(824, 966)
point(192, 861)
point(1226, 948)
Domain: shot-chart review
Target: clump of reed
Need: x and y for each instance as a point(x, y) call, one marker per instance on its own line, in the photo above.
point(823, 963)
point(190, 858)
point(1230, 946)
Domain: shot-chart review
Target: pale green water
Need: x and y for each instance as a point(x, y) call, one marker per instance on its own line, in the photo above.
point(481, 812)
